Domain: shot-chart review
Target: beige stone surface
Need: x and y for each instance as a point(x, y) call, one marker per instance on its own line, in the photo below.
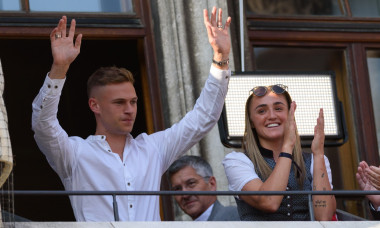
point(184, 59)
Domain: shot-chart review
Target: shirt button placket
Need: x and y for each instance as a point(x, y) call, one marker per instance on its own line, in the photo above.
point(129, 187)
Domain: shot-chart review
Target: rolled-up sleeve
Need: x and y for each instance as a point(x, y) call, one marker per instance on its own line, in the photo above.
point(328, 169)
point(239, 170)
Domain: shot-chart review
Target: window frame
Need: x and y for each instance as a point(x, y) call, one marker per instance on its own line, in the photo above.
point(85, 19)
point(354, 33)
point(355, 45)
point(38, 25)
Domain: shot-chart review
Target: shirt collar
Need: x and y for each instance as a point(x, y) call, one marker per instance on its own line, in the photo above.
point(265, 152)
point(103, 137)
point(269, 154)
point(204, 216)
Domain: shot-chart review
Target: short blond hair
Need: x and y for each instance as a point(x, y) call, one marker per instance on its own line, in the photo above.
point(108, 75)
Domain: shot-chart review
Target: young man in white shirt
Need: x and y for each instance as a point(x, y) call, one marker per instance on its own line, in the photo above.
point(112, 159)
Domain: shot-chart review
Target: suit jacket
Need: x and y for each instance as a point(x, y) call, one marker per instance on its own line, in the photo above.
point(375, 214)
point(222, 213)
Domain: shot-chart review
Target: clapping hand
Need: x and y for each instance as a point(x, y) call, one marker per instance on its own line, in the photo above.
point(366, 177)
point(317, 145)
point(290, 130)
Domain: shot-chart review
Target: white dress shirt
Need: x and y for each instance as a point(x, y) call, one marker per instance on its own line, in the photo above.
point(372, 207)
point(240, 170)
point(90, 165)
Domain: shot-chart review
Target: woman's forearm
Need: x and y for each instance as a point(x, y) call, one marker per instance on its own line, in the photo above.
point(324, 205)
point(277, 181)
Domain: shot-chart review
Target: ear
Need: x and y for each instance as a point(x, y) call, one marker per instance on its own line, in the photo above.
point(212, 183)
point(93, 104)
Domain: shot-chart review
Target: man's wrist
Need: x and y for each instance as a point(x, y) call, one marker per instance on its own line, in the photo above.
point(221, 63)
point(58, 71)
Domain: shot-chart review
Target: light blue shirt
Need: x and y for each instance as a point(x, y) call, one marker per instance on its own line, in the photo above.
point(204, 216)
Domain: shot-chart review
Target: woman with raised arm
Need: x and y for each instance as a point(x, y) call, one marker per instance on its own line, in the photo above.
point(273, 160)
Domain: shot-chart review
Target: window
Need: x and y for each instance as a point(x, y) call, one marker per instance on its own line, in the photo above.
point(10, 5)
point(295, 7)
point(367, 8)
point(82, 6)
point(373, 60)
point(105, 6)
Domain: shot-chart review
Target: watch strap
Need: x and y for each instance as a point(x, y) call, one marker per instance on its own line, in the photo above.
point(287, 155)
point(221, 63)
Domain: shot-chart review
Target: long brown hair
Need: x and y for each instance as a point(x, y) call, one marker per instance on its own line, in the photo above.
point(250, 146)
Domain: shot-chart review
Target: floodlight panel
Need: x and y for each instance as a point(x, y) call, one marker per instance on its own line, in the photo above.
point(310, 92)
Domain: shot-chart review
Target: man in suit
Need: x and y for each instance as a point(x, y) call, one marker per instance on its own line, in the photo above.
point(193, 173)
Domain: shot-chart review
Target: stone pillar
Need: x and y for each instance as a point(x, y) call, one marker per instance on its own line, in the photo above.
point(184, 59)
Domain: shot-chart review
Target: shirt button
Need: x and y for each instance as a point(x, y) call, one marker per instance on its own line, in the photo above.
point(288, 214)
point(288, 205)
point(129, 184)
point(41, 106)
point(287, 188)
point(130, 206)
point(109, 150)
point(55, 87)
point(288, 197)
point(49, 86)
point(102, 136)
